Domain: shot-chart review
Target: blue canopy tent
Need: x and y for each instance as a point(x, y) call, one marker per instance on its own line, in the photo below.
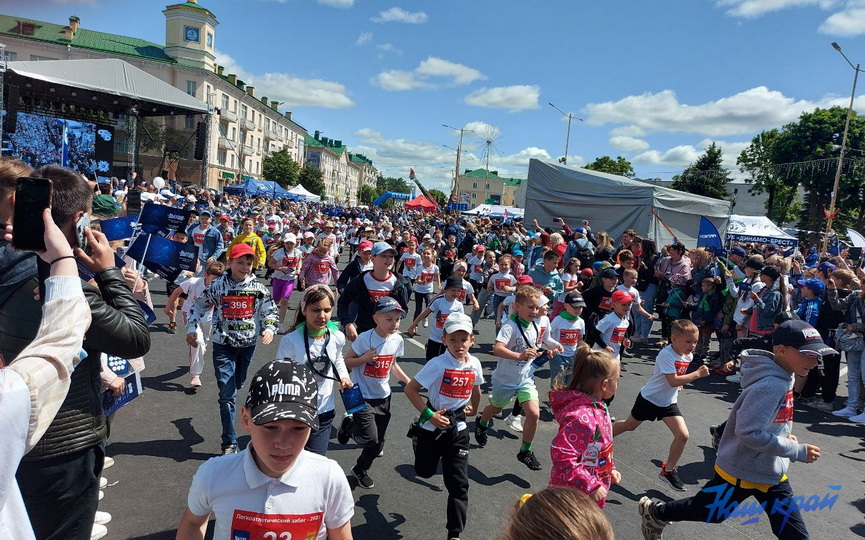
point(391, 195)
point(259, 188)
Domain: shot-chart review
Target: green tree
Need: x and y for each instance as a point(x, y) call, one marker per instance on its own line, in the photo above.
point(392, 184)
point(368, 194)
point(170, 143)
point(620, 166)
point(757, 161)
point(281, 168)
point(310, 178)
point(439, 196)
point(706, 176)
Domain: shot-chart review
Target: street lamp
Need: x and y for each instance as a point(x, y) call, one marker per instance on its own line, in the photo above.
point(564, 160)
point(831, 214)
point(459, 151)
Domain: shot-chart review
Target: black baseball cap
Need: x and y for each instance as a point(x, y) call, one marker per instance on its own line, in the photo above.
point(575, 299)
point(804, 337)
point(609, 273)
point(453, 282)
point(283, 390)
point(386, 304)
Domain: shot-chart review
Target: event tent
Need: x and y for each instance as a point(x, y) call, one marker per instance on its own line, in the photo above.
point(300, 193)
point(615, 203)
point(421, 203)
point(259, 188)
point(758, 229)
point(495, 211)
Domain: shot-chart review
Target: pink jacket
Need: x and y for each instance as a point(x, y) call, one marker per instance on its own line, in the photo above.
point(582, 450)
point(317, 269)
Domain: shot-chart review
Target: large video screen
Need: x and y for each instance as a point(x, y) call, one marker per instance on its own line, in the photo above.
point(43, 140)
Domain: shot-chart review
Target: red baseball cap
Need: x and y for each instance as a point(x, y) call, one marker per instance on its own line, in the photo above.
point(587, 272)
point(241, 250)
point(365, 245)
point(622, 297)
point(525, 279)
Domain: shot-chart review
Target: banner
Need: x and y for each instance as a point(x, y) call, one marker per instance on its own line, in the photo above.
point(708, 236)
point(133, 389)
point(156, 218)
point(117, 228)
point(165, 257)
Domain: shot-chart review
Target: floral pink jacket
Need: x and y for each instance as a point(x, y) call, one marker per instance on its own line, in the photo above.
point(582, 450)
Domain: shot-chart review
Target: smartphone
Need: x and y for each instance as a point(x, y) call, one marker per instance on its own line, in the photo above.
point(133, 202)
point(32, 197)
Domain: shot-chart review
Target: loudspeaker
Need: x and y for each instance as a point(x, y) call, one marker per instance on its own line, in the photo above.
point(10, 120)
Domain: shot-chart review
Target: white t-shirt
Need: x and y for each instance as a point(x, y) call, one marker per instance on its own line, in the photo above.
point(568, 280)
point(379, 288)
point(310, 498)
point(192, 288)
point(568, 333)
point(513, 373)
point(466, 291)
point(425, 278)
point(411, 263)
point(476, 268)
point(198, 235)
point(450, 383)
point(289, 258)
point(500, 281)
point(507, 304)
point(373, 378)
point(612, 330)
point(657, 390)
point(441, 308)
point(292, 348)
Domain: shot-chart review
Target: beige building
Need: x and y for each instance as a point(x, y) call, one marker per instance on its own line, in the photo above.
point(332, 159)
point(245, 129)
point(480, 186)
point(368, 175)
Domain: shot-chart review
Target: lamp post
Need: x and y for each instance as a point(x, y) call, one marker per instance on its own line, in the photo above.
point(459, 151)
point(564, 160)
point(843, 150)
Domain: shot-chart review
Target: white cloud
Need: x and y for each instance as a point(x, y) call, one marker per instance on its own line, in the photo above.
point(513, 98)
point(396, 14)
point(848, 22)
point(848, 19)
point(628, 144)
point(363, 38)
point(628, 131)
point(432, 67)
point(337, 3)
point(683, 155)
point(388, 47)
point(751, 9)
point(293, 90)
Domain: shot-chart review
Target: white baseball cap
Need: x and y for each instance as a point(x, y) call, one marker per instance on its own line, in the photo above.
point(289, 237)
point(458, 321)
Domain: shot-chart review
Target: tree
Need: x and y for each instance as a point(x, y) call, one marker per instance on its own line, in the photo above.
point(439, 196)
point(172, 144)
point(706, 176)
point(281, 168)
point(620, 166)
point(367, 194)
point(392, 184)
point(757, 161)
point(310, 178)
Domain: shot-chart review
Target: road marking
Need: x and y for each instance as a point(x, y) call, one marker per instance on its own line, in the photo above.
point(416, 342)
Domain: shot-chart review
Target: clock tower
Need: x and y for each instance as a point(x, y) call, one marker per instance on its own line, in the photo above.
point(190, 33)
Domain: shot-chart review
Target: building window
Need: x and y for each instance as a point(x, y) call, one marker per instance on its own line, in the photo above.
point(244, 110)
point(233, 134)
point(11, 56)
point(257, 167)
point(242, 137)
point(474, 185)
point(232, 161)
point(474, 195)
point(37, 58)
point(225, 101)
point(234, 105)
point(189, 121)
point(267, 124)
point(488, 186)
point(210, 40)
point(253, 115)
point(191, 87)
point(223, 130)
point(220, 157)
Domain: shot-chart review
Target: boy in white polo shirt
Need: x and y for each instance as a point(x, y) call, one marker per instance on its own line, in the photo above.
point(274, 485)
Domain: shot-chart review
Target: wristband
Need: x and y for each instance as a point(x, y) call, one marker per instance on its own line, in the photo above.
point(58, 259)
point(426, 415)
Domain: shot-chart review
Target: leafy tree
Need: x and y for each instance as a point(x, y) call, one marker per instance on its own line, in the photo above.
point(706, 176)
point(310, 178)
point(392, 184)
point(620, 166)
point(439, 196)
point(281, 168)
point(368, 194)
point(757, 161)
point(170, 143)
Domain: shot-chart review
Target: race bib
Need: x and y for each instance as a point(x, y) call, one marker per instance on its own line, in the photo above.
point(450, 254)
point(462, 296)
point(376, 294)
point(478, 269)
point(682, 367)
point(410, 262)
point(606, 303)
point(618, 334)
point(425, 277)
point(289, 261)
point(322, 267)
point(569, 337)
point(236, 307)
point(457, 383)
point(198, 238)
point(541, 331)
point(378, 368)
point(255, 526)
point(502, 283)
point(785, 413)
point(440, 319)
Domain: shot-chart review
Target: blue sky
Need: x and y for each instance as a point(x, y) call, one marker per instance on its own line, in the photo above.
point(654, 81)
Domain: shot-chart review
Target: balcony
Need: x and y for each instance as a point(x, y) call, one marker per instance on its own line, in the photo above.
point(247, 150)
point(270, 134)
point(225, 143)
point(227, 116)
point(247, 125)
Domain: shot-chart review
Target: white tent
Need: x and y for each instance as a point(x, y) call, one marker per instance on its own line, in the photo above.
point(303, 194)
point(758, 229)
point(614, 203)
point(496, 211)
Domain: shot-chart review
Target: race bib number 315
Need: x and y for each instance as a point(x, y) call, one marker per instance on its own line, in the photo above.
point(255, 526)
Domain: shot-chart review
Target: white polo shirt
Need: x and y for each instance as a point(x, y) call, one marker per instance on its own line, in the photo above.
point(311, 497)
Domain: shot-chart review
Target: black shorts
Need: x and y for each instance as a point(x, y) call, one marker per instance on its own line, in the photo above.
point(371, 423)
point(646, 411)
point(434, 348)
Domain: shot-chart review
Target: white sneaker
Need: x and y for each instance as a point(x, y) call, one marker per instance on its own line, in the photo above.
point(99, 531)
point(109, 462)
point(101, 494)
point(102, 518)
point(426, 323)
point(859, 418)
point(515, 423)
point(846, 412)
point(195, 382)
point(734, 378)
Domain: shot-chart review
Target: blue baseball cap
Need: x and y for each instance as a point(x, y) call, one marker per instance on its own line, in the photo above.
point(738, 250)
point(816, 285)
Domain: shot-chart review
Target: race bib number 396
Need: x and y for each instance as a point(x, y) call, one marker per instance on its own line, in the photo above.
point(255, 526)
point(238, 307)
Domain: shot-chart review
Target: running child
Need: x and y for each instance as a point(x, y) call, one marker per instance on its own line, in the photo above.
point(372, 359)
point(285, 262)
point(426, 277)
point(467, 294)
point(171, 305)
point(410, 261)
point(454, 382)
point(557, 512)
point(502, 283)
point(658, 399)
point(568, 329)
point(582, 450)
point(610, 331)
point(571, 283)
point(443, 305)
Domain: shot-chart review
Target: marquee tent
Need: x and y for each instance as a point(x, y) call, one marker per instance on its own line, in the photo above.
point(496, 211)
point(301, 194)
point(758, 229)
point(615, 203)
point(259, 188)
point(421, 203)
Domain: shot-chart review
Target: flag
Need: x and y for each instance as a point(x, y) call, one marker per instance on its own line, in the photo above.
point(708, 236)
point(411, 175)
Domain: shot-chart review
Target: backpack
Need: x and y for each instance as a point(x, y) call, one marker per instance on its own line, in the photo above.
point(584, 253)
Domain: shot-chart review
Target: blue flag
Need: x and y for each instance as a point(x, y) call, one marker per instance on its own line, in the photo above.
point(709, 236)
point(156, 218)
point(163, 256)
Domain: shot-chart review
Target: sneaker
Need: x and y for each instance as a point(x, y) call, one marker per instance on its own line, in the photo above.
point(195, 382)
point(859, 418)
point(381, 452)
point(734, 378)
point(528, 458)
point(102, 482)
point(172, 328)
point(515, 423)
point(822, 406)
point(481, 433)
point(652, 527)
point(626, 353)
point(662, 343)
point(672, 477)
point(716, 437)
point(426, 323)
point(229, 449)
point(102, 518)
point(98, 531)
point(808, 399)
point(363, 479)
point(846, 412)
point(109, 462)
point(101, 494)
point(344, 433)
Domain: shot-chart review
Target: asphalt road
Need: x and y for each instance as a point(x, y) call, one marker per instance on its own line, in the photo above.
point(160, 439)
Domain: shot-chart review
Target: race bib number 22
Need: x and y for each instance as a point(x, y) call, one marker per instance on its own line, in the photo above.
point(255, 526)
